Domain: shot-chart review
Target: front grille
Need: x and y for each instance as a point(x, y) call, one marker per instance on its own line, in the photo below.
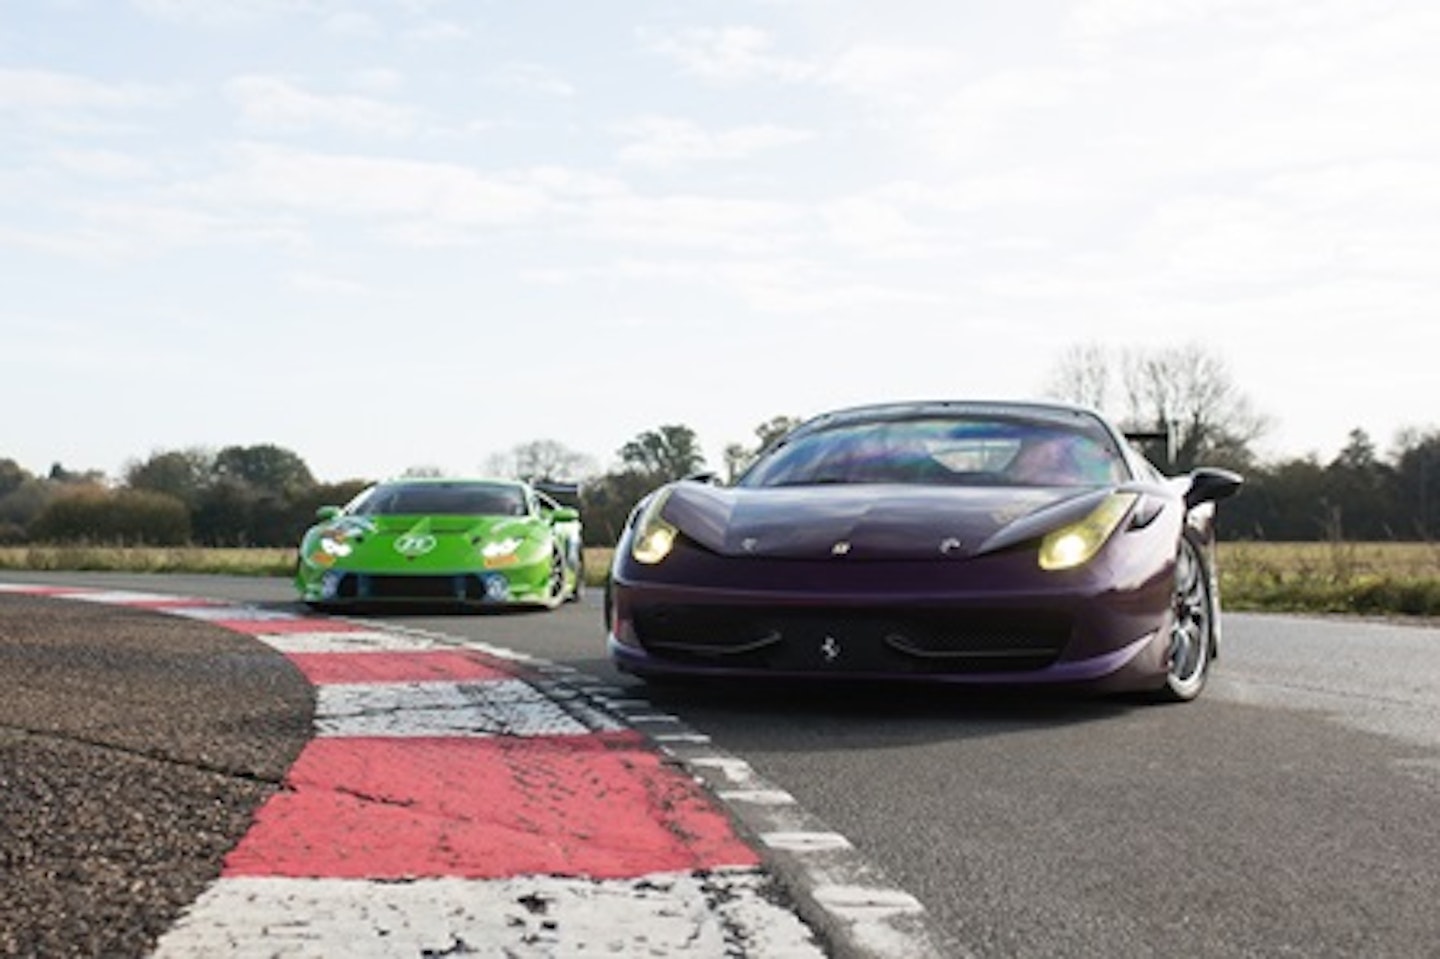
point(858, 640)
point(365, 586)
point(409, 587)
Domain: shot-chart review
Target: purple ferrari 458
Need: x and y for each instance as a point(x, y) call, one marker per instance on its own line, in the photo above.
point(976, 543)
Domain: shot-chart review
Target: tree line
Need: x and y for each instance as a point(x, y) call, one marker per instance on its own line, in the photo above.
point(265, 495)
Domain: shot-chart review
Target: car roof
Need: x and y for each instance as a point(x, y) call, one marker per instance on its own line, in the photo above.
point(452, 481)
point(1052, 411)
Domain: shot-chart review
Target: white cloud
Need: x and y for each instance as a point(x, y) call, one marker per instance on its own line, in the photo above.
point(116, 231)
point(352, 185)
point(879, 70)
point(224, 12)
point(437, 31)
point(275, 104)
point(377, 79)
point(659, 141)
point(727, 54)
point(534, 78)
point(33, 91)
point(325, 285)
point(354, 23)
point(104, 164)
point(751, 227)
point(879, 228)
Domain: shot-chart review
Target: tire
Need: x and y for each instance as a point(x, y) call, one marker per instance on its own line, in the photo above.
point(556, 589)
point(1192, 627)
point(578, 593)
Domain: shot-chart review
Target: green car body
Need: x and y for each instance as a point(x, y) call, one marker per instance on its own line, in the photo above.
point(472, 542)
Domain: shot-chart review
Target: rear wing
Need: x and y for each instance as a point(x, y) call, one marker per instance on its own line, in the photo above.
point(1166, 437)
point(566, 494)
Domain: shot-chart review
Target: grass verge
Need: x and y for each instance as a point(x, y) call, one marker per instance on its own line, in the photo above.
point(1374, 579)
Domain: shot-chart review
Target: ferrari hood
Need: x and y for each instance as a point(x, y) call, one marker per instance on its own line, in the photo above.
point(870, 522)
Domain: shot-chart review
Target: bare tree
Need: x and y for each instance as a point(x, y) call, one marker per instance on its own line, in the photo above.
point(1082, 375)
point(1186, 391)
point(1189, 391)
point(541, 460)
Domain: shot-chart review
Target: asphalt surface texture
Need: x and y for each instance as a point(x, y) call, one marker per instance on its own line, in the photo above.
point(134, 748)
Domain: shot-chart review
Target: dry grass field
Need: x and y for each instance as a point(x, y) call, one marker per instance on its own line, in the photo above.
point(1332, 577)
point(1361, 578)
point(150, 559)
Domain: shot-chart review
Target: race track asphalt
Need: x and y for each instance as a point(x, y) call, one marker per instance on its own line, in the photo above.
point(134, 749)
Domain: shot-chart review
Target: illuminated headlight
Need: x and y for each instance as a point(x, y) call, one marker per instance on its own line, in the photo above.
point(1076, 544)
point(500, 547)
point(335, 546)
point(654, 537)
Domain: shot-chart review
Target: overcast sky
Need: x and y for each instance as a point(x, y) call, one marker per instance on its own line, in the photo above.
point(390, 233)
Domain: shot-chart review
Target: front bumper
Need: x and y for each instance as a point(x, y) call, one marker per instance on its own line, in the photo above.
point(340, 588)
point(996, 620)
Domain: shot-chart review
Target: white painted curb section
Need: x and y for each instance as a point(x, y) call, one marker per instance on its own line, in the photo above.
point(722, 914)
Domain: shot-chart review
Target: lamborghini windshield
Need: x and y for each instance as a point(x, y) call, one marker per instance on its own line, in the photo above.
point(442, 499)
point(943, 451)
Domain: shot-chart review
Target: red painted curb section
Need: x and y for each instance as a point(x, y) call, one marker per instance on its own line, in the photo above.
point(602, 806)
point(413, 667)
point(529, 826)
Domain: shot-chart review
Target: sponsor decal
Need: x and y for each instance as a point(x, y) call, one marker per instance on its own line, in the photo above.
point(414, 544)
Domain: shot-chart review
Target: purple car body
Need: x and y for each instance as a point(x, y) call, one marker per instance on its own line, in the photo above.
point(954, 542)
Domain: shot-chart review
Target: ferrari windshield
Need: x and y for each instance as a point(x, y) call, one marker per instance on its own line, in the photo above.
point(942, 451)
point(444, 499)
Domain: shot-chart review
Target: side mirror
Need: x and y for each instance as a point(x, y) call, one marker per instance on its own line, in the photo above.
point(709, 477)
point(1209, 484)
point(327, 513)
point(564, 514)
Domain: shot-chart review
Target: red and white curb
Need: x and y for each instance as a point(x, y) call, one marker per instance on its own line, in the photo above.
point(464, 799)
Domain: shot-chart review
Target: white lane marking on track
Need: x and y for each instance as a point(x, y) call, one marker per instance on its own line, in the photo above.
point(862, 900)
point(122, 597)
point(496, 707)
point(735, 770)
point(805, 841)
point(760, 797)
point(356, 641)
point(662, 914)
point(236, 613)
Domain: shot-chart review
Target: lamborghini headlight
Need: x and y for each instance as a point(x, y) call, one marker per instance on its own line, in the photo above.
point(653, 537)
point(500, 547)
point(1076, 544)
point(333, 545)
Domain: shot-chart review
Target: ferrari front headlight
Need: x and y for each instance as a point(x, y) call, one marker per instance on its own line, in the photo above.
point(654, 536)
point(1076, 544)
